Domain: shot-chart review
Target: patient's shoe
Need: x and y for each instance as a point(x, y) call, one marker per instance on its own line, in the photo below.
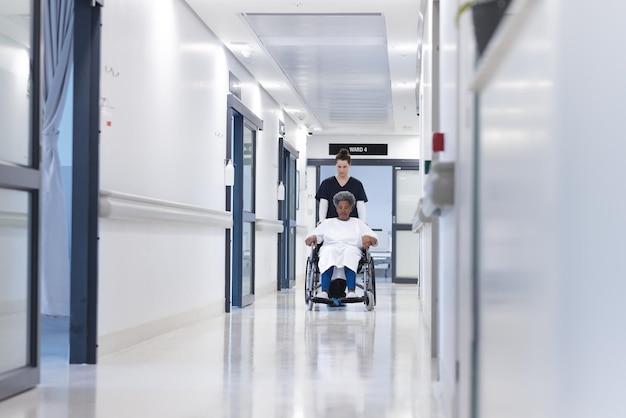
point(322, 295)
point(351, 295)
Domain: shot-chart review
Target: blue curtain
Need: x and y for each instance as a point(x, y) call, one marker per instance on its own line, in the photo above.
point(58, 59)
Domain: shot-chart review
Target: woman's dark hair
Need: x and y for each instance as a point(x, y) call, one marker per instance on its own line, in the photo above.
point(343, 155)
point(344, 196)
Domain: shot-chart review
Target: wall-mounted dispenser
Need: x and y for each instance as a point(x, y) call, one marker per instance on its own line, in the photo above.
point(439, 187)
point(229, 173)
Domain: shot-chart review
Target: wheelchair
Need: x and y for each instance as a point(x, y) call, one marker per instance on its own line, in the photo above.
point(337, 293)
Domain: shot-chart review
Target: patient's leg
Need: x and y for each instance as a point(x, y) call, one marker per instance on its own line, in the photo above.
point(326, 276)
point(350, 279)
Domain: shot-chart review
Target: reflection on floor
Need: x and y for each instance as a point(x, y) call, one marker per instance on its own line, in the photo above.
point(272, 359)
point(55, 339)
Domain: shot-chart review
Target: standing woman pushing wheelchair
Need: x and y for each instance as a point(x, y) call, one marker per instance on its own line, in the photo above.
point(344, 240)
point(339, 183)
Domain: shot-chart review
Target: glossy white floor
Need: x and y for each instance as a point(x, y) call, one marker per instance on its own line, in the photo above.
point(272, 359)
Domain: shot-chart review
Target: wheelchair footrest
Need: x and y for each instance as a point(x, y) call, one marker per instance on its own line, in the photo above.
point(338, 301)
point(357, 299)
point(324, 300)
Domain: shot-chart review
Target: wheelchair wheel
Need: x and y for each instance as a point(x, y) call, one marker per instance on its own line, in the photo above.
point(370, 300)
point(307, 282)
point(372, 279)
point(308, 285)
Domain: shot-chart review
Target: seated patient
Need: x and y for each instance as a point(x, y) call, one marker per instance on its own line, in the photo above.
point(344, 239)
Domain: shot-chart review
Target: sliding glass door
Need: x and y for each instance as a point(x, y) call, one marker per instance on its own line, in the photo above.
point(20, 110)
point(406, 244)
point(288, 174)
point(245, 292)
point(241, 148)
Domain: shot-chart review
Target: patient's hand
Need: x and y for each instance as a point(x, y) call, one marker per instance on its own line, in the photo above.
point(310, 240)
point(368, 241)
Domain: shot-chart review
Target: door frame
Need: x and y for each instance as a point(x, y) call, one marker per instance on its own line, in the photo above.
point(286, 150)
point(26, 178)
point(395, 226)
point(85, 184)
point(239, 117)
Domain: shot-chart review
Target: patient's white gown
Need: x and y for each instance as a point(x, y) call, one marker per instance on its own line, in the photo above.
point(342, 242)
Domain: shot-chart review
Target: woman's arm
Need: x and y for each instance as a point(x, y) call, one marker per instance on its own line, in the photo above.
point(323, 209)
point(368, 236)
point(360, 209)
point(317, 235)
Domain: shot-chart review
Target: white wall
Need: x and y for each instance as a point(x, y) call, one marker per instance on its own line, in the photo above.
point(463, 204)
point(448, 227)
point(163, 119)
point(304, 212)
point(551, 215)
point(426, 108)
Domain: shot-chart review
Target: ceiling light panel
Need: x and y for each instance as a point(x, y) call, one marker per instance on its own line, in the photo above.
point(338, 64)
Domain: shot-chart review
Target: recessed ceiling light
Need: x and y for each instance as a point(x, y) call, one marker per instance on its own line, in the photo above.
point(405, 48)
point(273, 85)
point(405, 85)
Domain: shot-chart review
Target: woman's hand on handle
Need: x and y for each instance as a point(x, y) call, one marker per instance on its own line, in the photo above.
point(310, 240)
point(368, 241)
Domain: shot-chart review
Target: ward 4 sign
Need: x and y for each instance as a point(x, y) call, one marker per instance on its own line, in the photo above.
point(359, 149)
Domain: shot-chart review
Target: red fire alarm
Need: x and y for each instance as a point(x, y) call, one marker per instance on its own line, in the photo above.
point(437, 141)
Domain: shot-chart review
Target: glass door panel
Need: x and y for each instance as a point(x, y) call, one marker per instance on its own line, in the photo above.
point(14, 289)
point(249, 216)
point(15, 85)
point(291, 256)
point(246, 266)
point(248, 169)
point(243, 127)
point(20, 127)
point(405, 243)
point(407, 254)
point(288, 174)
point(407, 195)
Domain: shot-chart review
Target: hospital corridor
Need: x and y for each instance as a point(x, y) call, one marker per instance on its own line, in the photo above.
point(273, 359)
point(312, 209)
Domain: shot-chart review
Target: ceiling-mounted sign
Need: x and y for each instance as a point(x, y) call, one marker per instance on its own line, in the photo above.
point(359, 149)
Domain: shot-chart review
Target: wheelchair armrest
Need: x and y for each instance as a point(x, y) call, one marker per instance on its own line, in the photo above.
point(315, 250)
point(366, 254)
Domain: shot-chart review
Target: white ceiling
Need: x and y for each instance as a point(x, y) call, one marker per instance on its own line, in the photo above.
point(339, 67)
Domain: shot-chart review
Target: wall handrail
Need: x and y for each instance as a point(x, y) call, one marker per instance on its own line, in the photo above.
point(269, 225)
point(126, 206)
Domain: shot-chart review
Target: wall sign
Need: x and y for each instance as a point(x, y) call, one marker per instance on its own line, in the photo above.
point(359, 149)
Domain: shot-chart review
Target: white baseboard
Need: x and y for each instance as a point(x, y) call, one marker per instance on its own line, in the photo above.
point(120, 340)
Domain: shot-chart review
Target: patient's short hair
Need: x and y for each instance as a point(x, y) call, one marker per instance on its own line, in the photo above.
point(347, 196)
